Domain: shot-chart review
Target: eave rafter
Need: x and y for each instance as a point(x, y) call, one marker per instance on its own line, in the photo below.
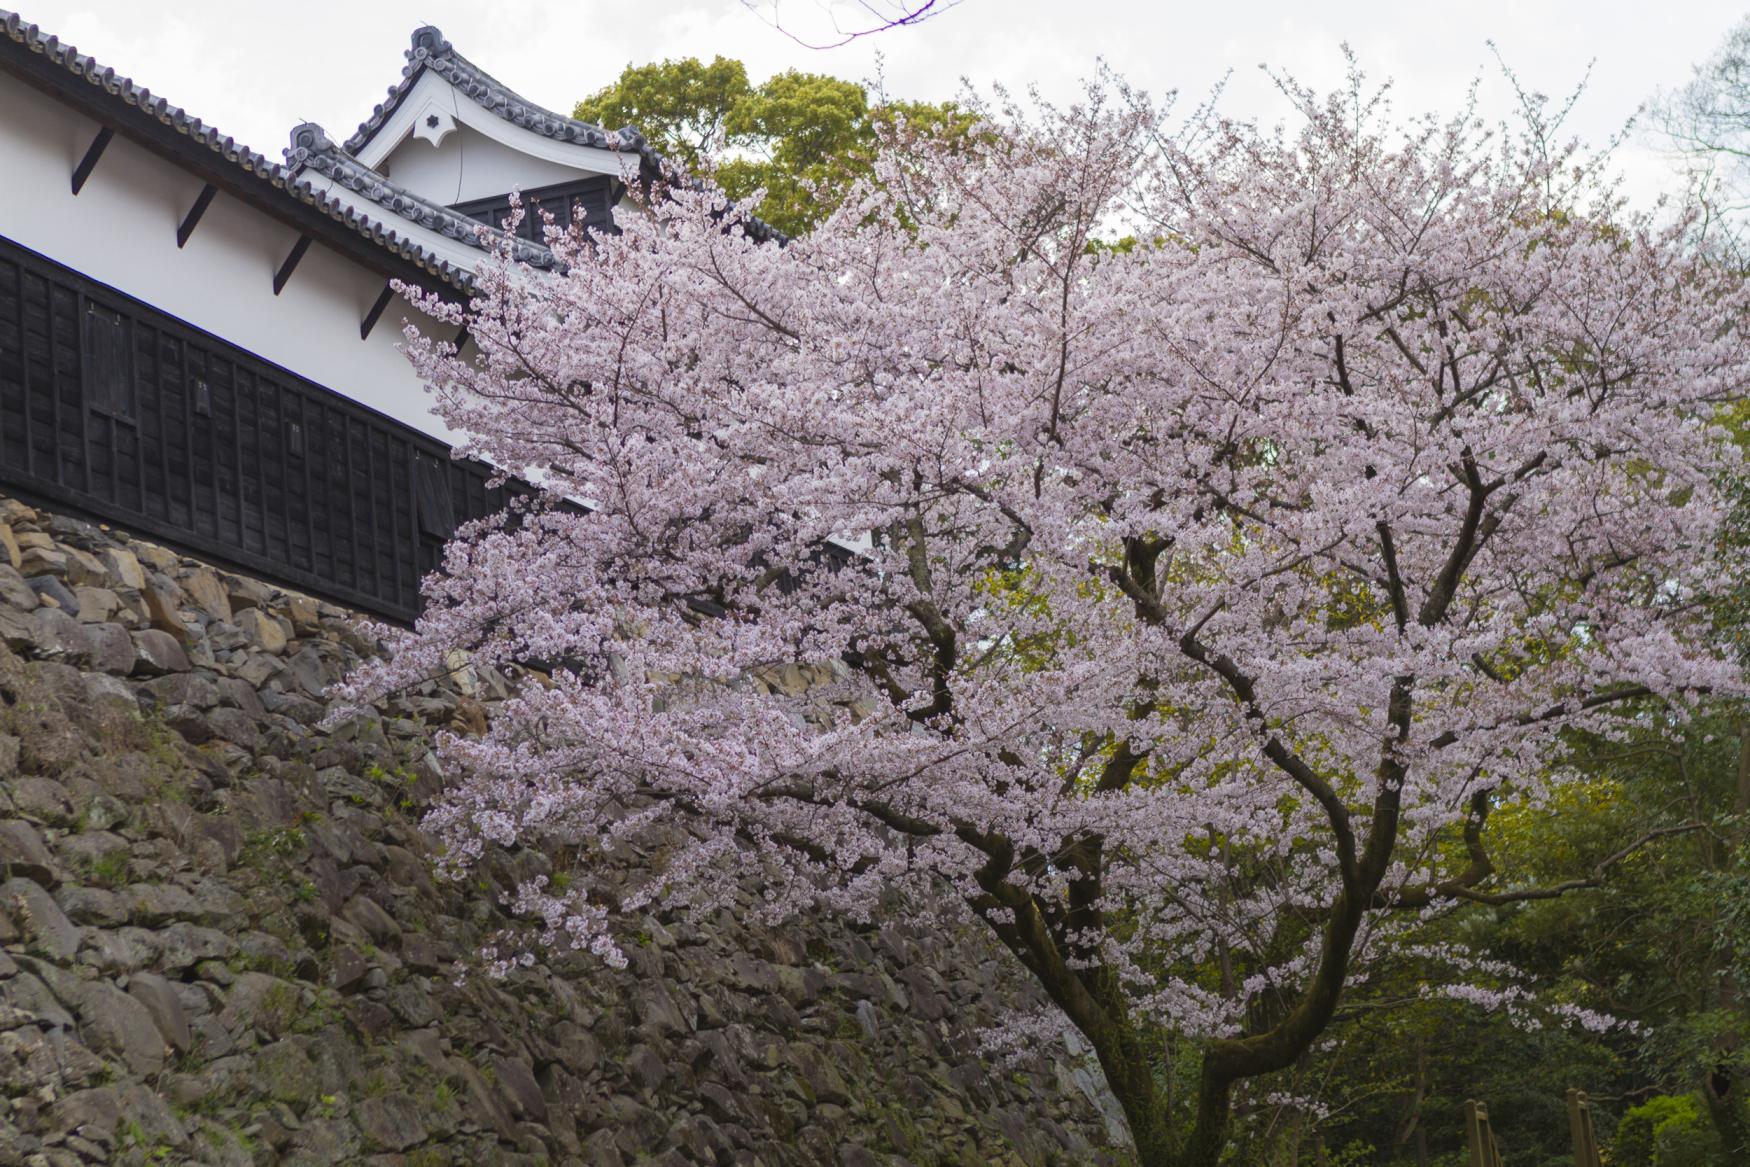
point(192, 220)
point(291, 263)
point(376, 311)
point(93, 152)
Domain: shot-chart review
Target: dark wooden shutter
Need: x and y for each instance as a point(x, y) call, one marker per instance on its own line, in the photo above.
point(107, 363)
point(437, 513)
point(595, 195)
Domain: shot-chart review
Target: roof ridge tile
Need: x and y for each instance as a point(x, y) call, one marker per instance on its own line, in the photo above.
point(431, 50)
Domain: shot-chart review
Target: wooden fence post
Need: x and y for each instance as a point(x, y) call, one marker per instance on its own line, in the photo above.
point(1483, 1152)
point(1580, 1124)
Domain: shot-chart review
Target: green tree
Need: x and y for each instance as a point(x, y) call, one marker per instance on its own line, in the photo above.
point(679, 106)
point(802, 137)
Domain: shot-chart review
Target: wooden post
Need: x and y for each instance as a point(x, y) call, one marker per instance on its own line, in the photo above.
point(1580, 1126)
point(1478, 1136)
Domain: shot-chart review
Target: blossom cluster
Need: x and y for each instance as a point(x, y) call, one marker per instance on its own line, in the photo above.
point(1198, 528)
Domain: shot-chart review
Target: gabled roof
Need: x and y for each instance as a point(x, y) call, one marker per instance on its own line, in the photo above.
point(430, 50)
point(313, 152)
point(381, 228)
point(287, 192)
point(115, 100)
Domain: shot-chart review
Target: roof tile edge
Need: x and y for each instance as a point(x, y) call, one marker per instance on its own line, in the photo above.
point(430, 50)
point(312, 150)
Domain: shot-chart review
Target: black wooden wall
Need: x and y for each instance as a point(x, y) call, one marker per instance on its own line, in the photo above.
point(120, 411)
point(596, 196)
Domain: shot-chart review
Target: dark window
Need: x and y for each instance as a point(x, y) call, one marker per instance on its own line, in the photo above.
point(596, 196)
point(109, 374)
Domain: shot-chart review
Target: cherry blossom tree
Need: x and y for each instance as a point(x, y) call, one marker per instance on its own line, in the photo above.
point(1193, 533)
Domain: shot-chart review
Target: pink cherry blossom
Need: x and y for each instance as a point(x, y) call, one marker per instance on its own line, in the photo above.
point(1179, 609)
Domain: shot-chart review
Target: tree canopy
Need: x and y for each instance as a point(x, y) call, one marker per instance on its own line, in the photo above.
point(1214, 617)
point(804, 138)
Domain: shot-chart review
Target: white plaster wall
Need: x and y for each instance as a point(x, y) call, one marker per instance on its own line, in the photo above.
point(467, 165)
point(478, 154)
point(121, 231)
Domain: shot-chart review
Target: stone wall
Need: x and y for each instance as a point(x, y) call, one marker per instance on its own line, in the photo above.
point(221, 940)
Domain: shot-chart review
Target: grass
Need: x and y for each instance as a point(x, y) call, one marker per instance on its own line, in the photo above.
point(282, 843)
point(109, 869)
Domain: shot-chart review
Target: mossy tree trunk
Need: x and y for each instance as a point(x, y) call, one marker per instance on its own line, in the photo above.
point(1090, 996)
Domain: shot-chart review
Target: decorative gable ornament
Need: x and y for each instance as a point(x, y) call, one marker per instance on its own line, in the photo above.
point(434, 124)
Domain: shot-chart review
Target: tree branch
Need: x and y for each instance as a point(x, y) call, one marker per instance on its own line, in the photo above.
point(1463, 887)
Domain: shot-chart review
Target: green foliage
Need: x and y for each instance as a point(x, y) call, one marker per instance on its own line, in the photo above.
point(110, 869)
point(269, 844)
point(679, 106)
point(802, 137)
point(1670, 1130)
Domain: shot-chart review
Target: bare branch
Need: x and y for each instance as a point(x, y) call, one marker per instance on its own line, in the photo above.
point(875, 17)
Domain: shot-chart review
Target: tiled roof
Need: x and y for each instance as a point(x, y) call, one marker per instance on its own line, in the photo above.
point(280, 182)
point(123, 89)
point(313, 152)
point(431, 51)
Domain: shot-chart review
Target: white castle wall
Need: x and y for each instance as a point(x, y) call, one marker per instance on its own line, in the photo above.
point(121, 230)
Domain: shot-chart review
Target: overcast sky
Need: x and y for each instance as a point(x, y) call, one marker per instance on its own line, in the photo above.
point(257, 67)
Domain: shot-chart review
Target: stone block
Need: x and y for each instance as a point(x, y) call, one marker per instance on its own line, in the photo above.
point(116, 1022)
point(124, 567)
point(16, 632)
point(112, 649)
point(51, 592)
point(365, 914)
point(93, 905)
point(183, 946)
point(158, 653)
point(203, 587)
point(40, 799)
point(266, 631)
point(14, 591)
point(39, 917)
point(391, 1122)
point(164, 603)
point(155, 557)
point(95, 605)
point(85, 569)
point(304, 613)
point(312, 672)
point(245, 593)
point(42, 560)
point(22, 853)
point(234, 725)
point(165, 1007)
